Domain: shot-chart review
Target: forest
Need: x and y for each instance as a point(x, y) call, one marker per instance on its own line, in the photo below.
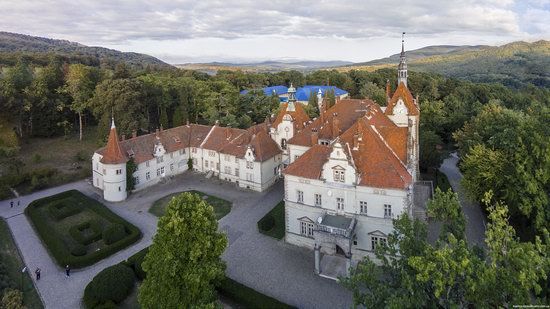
point(500, 133)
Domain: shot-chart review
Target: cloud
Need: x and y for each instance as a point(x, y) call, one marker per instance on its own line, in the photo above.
point(110, 22)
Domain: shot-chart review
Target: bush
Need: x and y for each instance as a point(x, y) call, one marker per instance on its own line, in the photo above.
point(113, 284)
point(79, 250)
point(81, 156)
point(63, 208)
point(5, 281)
point(36, 158)
point(113, 233)
point(246, 296)
point(54, 241)
point(267, 223)
point(79, 234)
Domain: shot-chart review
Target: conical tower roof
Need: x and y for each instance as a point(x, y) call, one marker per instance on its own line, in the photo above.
point(113, 153)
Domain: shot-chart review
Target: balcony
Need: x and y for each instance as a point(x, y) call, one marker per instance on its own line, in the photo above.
point(336, 226)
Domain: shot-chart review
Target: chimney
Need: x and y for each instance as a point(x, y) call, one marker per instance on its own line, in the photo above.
point(157, 132)
point(134, 133)
point(388, 90)
point(356, 141)
point(161, 128)
point(335, 125)
point(227, 132)
point(123, 137)
point(217, 123)
point(314, 137)
point(187, 122)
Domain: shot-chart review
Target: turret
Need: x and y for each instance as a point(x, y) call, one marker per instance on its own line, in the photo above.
point(291, 98)
point(402, 73)
point(114, 166)
point(319, 99)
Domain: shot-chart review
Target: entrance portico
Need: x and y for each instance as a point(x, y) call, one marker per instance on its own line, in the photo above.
point(333, 236)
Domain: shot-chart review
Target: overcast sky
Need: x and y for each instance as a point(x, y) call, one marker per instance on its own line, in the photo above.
point(179, 31)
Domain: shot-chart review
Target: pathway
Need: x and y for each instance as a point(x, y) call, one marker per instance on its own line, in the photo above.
point(266, 264)
point(475, 219)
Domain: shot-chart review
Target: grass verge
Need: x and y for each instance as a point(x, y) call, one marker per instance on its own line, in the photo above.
point(9, 256)
point(273, 223)
point(221, 206)
point(54, 216)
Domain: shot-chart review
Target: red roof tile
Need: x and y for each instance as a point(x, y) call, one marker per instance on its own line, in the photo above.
point(113, 154)
point(299, 116)
point(403, 92)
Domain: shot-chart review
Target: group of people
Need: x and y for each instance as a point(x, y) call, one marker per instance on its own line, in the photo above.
point(11, 203)
point(67, 272)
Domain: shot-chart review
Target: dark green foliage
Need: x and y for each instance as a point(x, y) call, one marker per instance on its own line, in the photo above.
point(113, 233)
point(79, 250)
point(246, 296)
point(5, 280)
point(59, 245)
point(136, 260)
point(64, 208)
point(131, 168)
point(87, 232)
point(190, 164)
point(273, 223)
point(113, 284)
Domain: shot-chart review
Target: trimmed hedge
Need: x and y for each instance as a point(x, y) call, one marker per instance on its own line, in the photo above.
point(273, 223)
point(110, 286)
point(59, 209)
point(246, 296)
point(54, 242)
point(266, 223)
point(77, 232)
point(113, 233)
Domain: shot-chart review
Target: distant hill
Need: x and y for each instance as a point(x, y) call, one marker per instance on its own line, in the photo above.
point(12, 44)
point(266, 66)
point(512, 64)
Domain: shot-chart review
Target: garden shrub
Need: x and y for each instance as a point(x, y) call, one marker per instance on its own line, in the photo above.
point(113, 233)
point(79, 250)
point(87, 232)
point(247, 297)
point(5, 281)
point(113, 284)
point(54, 242)
point(36, 158)
point(64, 208)
point(267, 223)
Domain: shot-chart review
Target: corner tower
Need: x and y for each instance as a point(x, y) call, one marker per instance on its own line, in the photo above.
point(114, 169)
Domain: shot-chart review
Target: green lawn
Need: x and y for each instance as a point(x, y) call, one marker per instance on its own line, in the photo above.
point(221, 206)
point(76, 229)
point(273, 223)
point(14, 263)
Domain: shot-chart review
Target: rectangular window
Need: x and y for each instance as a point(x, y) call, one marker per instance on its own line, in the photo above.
point(376, 241)
point(182, 152)
point(217, 166)
point(162, 170)
point(171, 166)
point(171, 155)
point(306, 229)
point(211, 153)
point(275, 171)
point(363, 207)
point(227, 170)
point(226, 157)
point(236, 160)
point(387, 211)
point(147, 163)
point(340, 203)
point(206, 164)
point(147, 176)
point(194, 161)
point(249, 177)
point(194, 150)
point(237, 172)
point(317, 199)
point(158, 172)
point(339, 176)
point(249, 165)
point(160, 159)
point(119, 172)
point(300, 196)
point(136, 180)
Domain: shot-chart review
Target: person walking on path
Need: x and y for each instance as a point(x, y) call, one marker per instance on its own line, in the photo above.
point(18, 203)
point(37, 272)
point(11, 204)
point(68, 271)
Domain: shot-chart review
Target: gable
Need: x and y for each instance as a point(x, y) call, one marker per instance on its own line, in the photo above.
point(403, 94)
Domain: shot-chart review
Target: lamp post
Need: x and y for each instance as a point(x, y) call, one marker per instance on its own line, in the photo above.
point(23, 271)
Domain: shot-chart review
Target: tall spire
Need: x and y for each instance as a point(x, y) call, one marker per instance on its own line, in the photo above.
point(113, 152)
point(402, 73)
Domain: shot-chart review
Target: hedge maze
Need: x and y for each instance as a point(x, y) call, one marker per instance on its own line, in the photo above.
point(79, 231)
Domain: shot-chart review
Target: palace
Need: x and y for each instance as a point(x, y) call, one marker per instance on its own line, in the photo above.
point(347, 173)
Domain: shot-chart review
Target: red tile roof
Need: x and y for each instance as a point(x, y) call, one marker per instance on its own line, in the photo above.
point(264, 146)
point(310, 164)
point(403, 92)
point(113, 153)
point(299, 116)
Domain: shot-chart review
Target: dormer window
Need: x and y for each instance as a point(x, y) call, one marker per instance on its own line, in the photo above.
point(130, 153)
point(283, 143)
point(176, 139)
point(339, 175)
